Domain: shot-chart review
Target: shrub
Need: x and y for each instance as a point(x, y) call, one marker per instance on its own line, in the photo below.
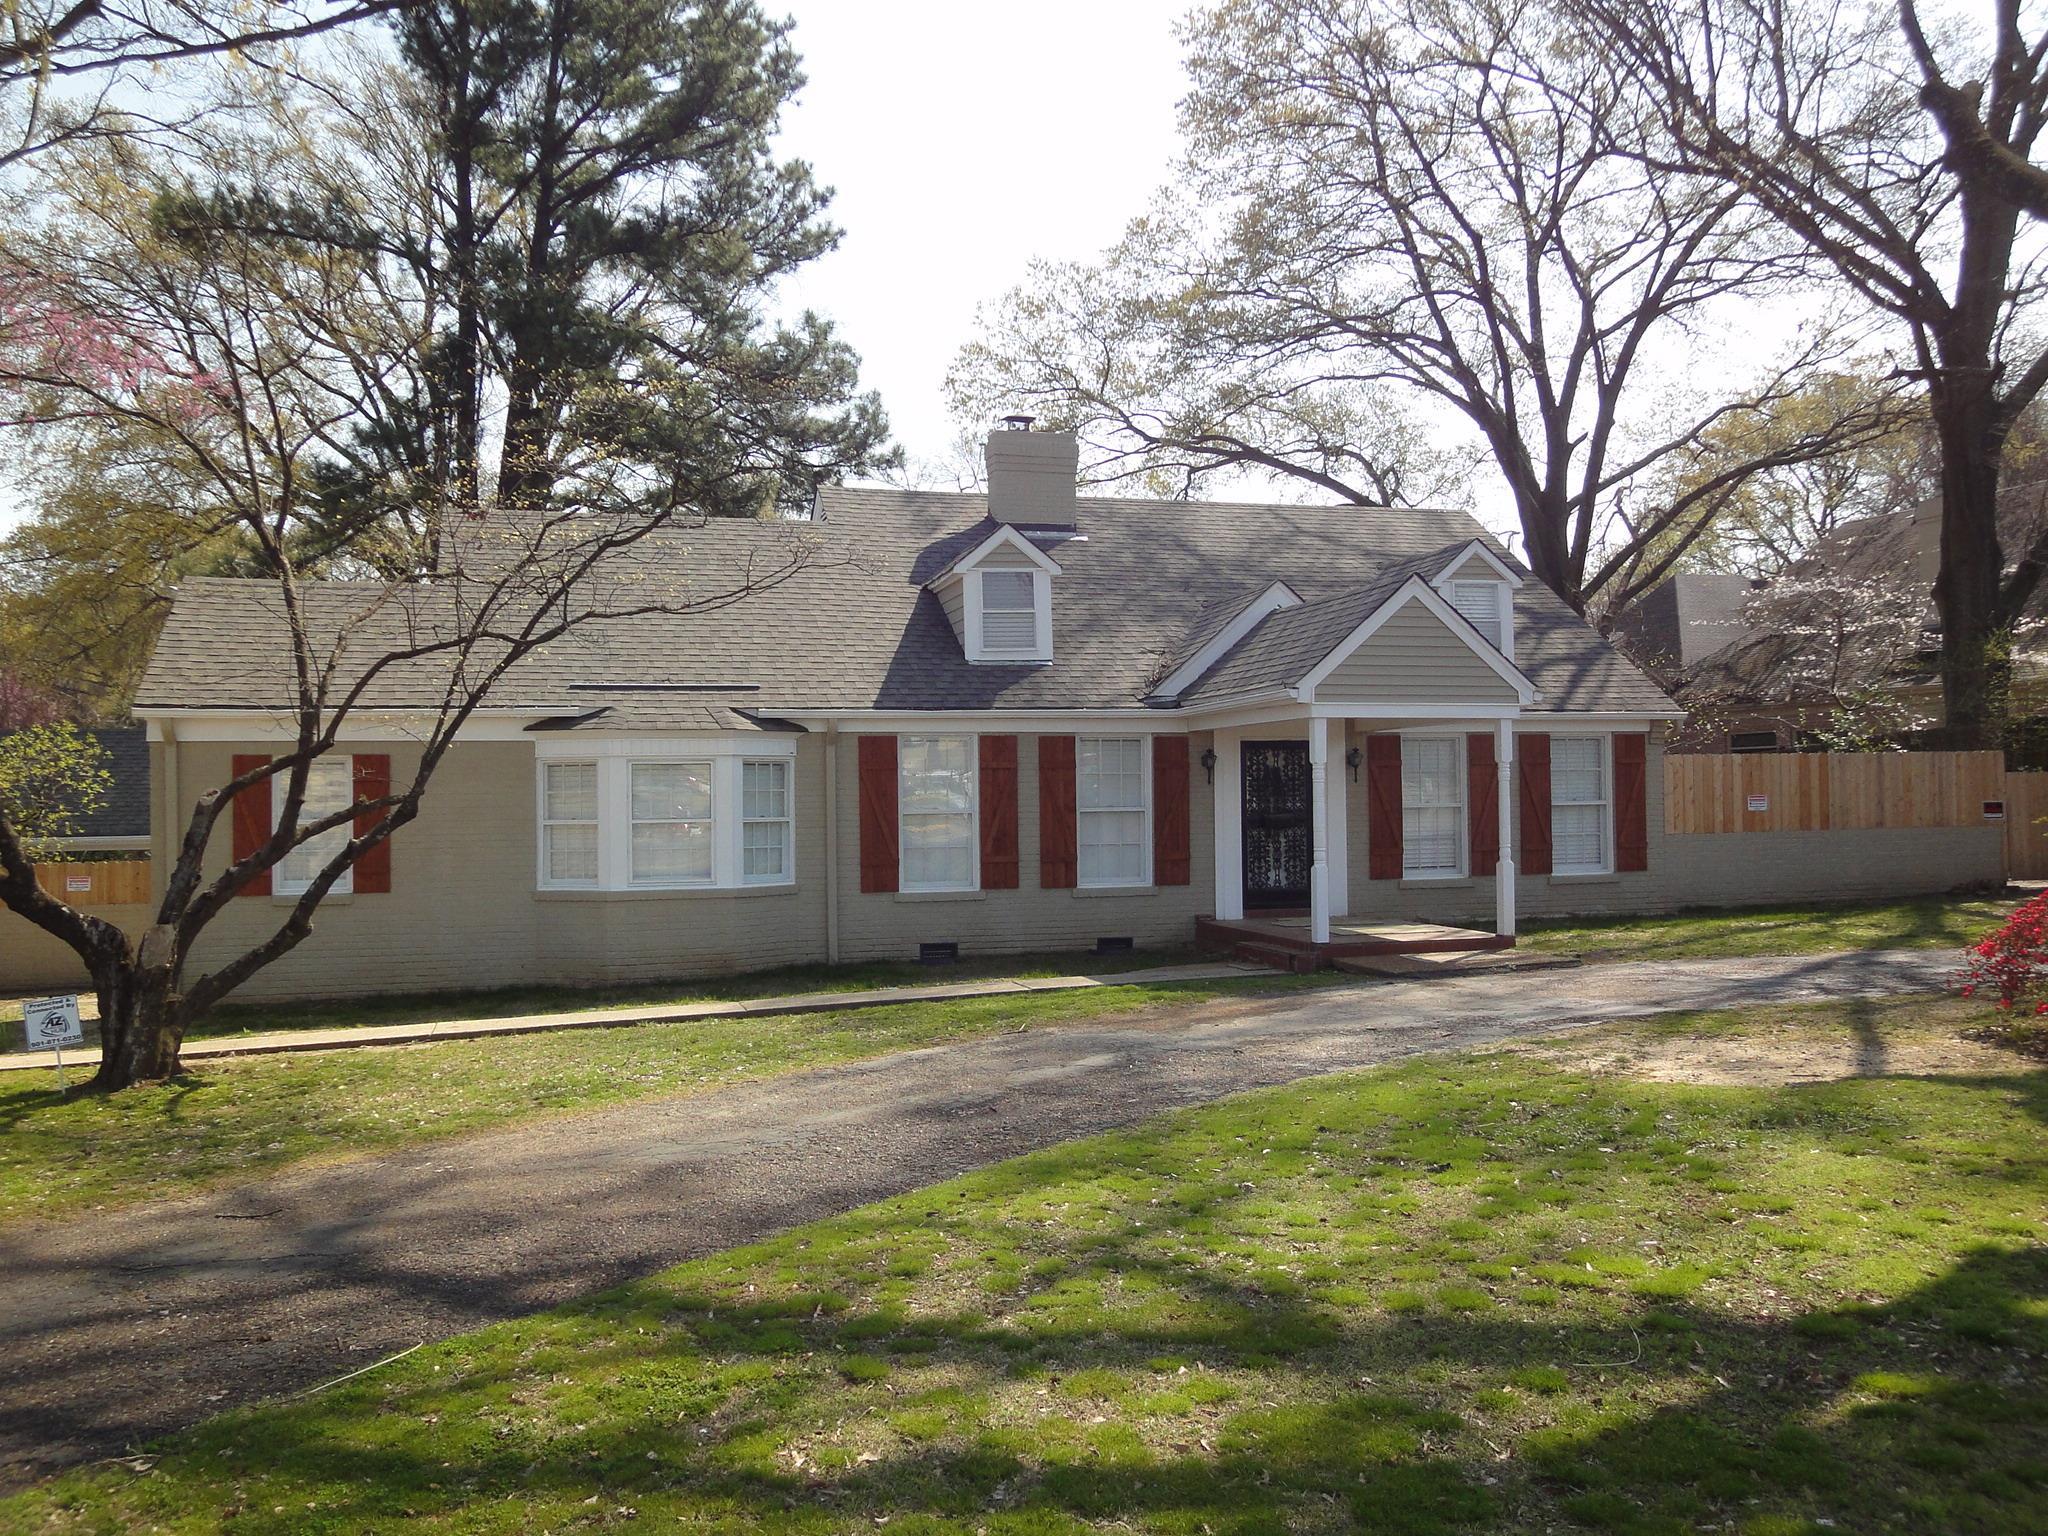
point(2010, 964)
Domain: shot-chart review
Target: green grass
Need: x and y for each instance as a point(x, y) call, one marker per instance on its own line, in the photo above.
point(247, 1116)
point(1478, 1293)
point(1930, 922)
point(507, 1002)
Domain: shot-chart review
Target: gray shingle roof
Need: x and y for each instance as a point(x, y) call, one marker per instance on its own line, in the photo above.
point(853, 628)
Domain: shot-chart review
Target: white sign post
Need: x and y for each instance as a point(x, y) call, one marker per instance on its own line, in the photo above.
point(52, 1023)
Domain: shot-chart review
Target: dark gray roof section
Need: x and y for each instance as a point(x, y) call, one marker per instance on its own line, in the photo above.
point(852, 626)
point(124, 812)
point(1686, 618)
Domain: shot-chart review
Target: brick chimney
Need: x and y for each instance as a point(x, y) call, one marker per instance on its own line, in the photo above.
point(1031, 475)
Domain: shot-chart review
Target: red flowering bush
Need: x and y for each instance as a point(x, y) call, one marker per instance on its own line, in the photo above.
point(2011, 963)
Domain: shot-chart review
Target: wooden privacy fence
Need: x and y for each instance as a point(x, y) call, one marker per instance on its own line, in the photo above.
point(99, 883)
point(1834, 791)
point(2026, 835)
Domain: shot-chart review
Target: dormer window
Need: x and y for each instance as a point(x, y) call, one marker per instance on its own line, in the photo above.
point(998, 598)
point(1009, 614)
point(1485, 603)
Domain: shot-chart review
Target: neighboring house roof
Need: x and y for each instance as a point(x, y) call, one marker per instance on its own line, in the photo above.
point(854, 627)
point(1686, 618)
point(124, 810)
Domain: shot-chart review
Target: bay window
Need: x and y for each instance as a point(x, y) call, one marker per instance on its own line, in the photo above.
point(1432, 806)
point(1113, 838)
point(647, 815)
point(1579, 806)
point(330, 787)
point(936, 813)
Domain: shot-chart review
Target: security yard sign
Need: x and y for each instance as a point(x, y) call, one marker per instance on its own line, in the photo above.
point(51, 1023)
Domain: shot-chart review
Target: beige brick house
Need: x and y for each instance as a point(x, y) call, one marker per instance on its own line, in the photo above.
point(1019, 721)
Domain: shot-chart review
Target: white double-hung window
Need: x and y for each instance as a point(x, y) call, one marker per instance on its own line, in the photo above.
point(1009, 613)
point(1485, 603)
point(330, 787)
point(1581, 842)
point(936, 786)
point(765, 839)
point(672, 831)
point(568, 824)
point(1113, 837)
point(1432, 806)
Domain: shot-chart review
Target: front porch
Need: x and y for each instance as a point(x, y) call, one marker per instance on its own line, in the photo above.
point(1288, 943)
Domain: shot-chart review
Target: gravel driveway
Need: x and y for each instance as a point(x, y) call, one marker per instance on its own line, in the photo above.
point(119, 1327)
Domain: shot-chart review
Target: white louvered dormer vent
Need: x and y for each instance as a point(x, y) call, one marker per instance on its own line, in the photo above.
point(1010, 616)
point(1485, 603)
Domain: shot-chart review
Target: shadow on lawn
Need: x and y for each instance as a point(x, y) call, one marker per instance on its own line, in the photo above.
point(1932, 924)
point(1779, 1419)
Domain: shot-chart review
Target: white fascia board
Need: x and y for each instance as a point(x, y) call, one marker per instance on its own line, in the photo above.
point(1477, 547)
point(1003, 536)
point(361, 725)
point(1276, 596)
point(1416, 590)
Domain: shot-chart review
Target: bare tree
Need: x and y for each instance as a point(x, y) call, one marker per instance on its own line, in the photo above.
point(1813, 113)
point(69, 69)
point(1397, 207)
point(1979, 127)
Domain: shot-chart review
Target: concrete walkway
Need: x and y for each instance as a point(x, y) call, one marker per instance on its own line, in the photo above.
point(120, 1326)
point(279, 1041)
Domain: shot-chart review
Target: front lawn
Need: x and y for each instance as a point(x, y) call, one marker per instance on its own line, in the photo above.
point(1531, 1290)
point(247, 1116)
point(1927, 922)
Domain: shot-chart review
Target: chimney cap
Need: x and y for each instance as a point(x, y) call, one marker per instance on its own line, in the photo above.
point(1018, 422)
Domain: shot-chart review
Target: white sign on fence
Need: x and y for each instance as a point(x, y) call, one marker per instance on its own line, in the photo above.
point(1759, 802)
point(50, 1023)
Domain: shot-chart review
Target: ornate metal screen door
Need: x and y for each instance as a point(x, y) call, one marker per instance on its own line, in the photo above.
point(1277, 835)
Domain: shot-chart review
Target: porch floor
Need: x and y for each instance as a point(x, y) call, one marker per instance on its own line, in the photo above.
point(1284, 941)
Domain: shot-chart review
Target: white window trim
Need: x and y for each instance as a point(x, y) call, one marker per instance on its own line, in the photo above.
point(971, 611)
point(635, 882)
point(614, 758)
point(1464, 869)
point(787, 821)
point(1503, 635)
point(1606, 803)
point(1145, 798)
point(973, 814)
point(346, 884)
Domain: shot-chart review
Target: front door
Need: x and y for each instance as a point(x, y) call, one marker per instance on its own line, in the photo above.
point(1278, 839)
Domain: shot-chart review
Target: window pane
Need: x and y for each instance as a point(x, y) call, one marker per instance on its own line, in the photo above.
point(1429, 840)
point(1479, 601)
point(765, 789)
point(766, 850)
point(672, 851)
point(936, 774)
point(1112, 847)
point(1006, 589)
point(572, 854)
point(936, 850)
point(1110, 773)
point(936, 778)
point(1579, 834)
point(1009, 631)
point(330, 787)
point(1575, 770)
point(671, 791)
point(1429, 771)
point(572, 791)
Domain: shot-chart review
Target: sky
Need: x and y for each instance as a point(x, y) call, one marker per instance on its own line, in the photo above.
point(962, 141)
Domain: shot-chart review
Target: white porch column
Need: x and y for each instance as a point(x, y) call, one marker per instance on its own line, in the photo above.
point(1340, 833)
point(1319, 820)
point(1504, 871)
point(1228, 820)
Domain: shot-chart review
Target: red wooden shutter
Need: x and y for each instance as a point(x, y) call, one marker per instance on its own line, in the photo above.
point(1170, 861)
point(1383, 801)
point(252, 821)
point(877, 813)
point(1058, 836)
point(1482, 802)
point(1631, 802)
point(1533, 754)
point(999, 813)
point(373, 782)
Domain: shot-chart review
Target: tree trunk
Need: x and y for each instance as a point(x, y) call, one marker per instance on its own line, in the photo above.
point(1974, 656)
point(142, 1016)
